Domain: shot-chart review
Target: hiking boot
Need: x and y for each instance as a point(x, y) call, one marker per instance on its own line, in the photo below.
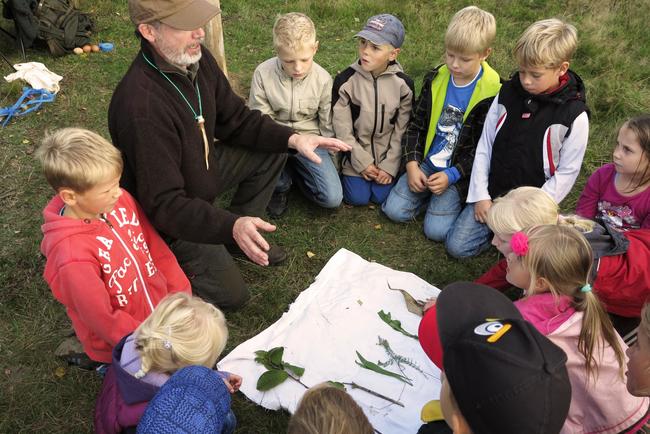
point(277, 254)
point(278, 204)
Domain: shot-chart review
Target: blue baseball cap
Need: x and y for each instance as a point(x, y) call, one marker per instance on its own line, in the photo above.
point(383, 29)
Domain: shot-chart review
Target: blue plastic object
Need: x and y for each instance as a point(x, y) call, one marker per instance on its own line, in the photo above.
point(30, 100)
point(106, 46)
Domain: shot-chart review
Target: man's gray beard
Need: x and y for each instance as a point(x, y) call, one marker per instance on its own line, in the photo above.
point(181, 59)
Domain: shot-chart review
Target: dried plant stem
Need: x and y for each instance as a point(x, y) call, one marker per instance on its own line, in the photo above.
point(297, 379)
point(372, 392)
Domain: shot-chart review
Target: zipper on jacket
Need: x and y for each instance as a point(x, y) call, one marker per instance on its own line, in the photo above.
point(105, 220)
point(135, 263)
point(383, 117)
point(374, 126)
point(291, 105)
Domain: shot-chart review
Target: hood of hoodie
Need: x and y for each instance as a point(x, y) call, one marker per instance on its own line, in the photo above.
point(133, 390)
point(393, 68)
point(58, 228)
point(571, 88)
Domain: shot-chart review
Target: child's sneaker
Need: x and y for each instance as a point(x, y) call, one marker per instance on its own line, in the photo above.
point(71, 351)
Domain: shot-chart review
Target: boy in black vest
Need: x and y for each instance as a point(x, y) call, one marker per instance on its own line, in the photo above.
point(535, 132)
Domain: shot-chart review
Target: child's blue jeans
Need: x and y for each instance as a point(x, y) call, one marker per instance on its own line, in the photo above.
point(468, 237)
point(319, 183)
point(357, 191)
point(403, 205)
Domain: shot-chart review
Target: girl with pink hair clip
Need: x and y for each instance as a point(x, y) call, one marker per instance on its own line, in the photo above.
point(552, 265)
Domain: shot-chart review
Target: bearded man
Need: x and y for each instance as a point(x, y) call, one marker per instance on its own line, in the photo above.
point(186, 138)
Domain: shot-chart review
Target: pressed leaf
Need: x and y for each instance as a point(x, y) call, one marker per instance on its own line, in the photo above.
point(263, 359)
point(394, 323)
point(413, 305)
point(268, 365)
point(275, 357)
point(297, 370)
point(378, 369)
point(270, 379)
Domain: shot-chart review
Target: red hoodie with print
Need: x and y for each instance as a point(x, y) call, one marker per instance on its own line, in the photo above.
point(109, 274)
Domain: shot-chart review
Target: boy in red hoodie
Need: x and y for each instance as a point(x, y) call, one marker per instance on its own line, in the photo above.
point(105, 262)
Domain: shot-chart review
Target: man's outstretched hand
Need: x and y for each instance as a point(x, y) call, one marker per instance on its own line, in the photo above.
point(306, 144)
point(246, 233)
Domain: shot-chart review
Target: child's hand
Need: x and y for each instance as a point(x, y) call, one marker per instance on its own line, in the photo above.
point(417, 179)
point(370, 173)
point(438, 183)
point(481, 209)
point(383, 178)
point(429, 304)
point(233, 382)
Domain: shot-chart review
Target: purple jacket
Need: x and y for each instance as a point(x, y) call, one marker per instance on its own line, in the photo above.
point(122, 399)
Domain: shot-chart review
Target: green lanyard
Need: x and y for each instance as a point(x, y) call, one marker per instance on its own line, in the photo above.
point(197, 117)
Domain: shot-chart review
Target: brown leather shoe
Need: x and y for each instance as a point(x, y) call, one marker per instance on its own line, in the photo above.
point(277, 254)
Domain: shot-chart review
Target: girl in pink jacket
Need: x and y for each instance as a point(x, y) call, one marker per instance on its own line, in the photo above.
point(552, 264)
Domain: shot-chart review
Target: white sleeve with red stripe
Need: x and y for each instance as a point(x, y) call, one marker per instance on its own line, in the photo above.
point(478, 184)
point(563, 156)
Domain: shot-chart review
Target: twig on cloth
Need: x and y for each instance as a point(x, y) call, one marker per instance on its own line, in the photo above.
point(372, 392)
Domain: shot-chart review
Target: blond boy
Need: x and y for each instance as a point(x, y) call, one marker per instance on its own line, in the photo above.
point(445, 127)
point(105, 262)
point(372, 102)
point(325, 409)
point(535, 133)
point(296, 92)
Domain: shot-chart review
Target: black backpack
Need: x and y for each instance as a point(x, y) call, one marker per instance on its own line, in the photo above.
point(56, 22)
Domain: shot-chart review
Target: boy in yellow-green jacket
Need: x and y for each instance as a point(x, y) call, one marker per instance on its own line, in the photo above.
point(441, 137)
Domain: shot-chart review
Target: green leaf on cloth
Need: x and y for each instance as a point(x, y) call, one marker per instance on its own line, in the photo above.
point(394, 323)
point(378, 369)
point(270, 379)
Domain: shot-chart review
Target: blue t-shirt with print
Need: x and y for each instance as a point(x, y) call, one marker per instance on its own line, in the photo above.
point(448, 128)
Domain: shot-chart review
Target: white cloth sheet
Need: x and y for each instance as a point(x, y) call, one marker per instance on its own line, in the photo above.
point(331, 320)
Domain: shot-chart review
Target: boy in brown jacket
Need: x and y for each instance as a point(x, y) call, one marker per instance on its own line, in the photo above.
point(372, 102)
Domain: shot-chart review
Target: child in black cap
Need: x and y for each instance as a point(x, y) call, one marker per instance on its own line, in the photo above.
point(500, 374)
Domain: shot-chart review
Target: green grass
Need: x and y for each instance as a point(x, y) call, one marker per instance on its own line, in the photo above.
point(612, 58)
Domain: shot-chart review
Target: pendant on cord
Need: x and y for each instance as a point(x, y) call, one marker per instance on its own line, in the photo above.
point(206, 147)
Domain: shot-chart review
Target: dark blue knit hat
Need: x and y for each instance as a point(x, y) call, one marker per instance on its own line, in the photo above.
point(194, 400)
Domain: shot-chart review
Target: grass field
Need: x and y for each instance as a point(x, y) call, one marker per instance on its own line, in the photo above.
point(40, 394)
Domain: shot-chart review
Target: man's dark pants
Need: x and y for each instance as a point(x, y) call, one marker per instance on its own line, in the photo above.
point(212, 271)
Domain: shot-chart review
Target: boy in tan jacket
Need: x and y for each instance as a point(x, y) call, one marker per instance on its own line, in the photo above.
point(372, 102)
point(296, 92)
